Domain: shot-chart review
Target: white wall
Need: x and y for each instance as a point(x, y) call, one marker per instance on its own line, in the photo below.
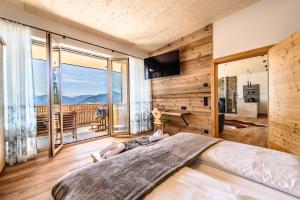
point(260, 78)
point(259, 75)
point(263, 23)
point(21, 16)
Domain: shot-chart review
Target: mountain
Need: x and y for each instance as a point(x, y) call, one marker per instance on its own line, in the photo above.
point(81, 99)
point(41, 100)
point(68, 100)
point(101, 98)
point(116, 97)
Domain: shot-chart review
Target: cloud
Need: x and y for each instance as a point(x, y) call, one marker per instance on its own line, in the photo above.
point(70, 79)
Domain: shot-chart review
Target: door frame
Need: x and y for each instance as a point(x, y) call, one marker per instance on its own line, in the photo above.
point(110, 113)
point(52, 151)
point(214, 80)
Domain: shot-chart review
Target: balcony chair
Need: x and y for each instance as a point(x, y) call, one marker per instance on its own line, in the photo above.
point(69, 123)
point(101, 115)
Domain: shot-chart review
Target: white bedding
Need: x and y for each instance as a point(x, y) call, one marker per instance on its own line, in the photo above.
point(273, 168)
point(188, 184)
point(218, 174)
point(210, 183)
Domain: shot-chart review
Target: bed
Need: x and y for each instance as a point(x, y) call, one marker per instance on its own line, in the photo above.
point(230, 170)
point(212, 169)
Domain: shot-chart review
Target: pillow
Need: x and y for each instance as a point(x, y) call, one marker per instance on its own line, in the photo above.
point(276, 169)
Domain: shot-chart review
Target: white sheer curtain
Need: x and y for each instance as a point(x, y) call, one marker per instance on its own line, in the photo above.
point(19, 116)
point(140, 97)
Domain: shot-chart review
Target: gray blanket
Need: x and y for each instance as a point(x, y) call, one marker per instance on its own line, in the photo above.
point(132, 174)
point(137, 142)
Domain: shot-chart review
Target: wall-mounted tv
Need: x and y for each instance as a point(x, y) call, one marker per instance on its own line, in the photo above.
point(167, 64)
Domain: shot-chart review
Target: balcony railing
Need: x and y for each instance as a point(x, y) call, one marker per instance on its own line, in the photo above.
point(85, 114)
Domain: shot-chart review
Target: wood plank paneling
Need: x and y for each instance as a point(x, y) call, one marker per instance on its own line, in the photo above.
point(198, 35)
point(192, 85)
point(284, 95)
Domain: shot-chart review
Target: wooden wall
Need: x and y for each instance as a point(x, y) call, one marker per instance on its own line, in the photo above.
point(284, 95)
point(190, 87)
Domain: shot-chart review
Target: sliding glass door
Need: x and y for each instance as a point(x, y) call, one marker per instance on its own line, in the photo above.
point(41, 89)
point(55, 100)
point(119, 96)
point(85, 95)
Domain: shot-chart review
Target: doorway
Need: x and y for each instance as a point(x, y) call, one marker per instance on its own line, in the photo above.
point(85, 94)
point(240, 97)
point(243, 100)
point(75, 90)
point(119, 78)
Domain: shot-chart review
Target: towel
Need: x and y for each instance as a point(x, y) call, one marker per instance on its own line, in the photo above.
point(108, 147)
point(120, 147)
point(158, 133)
point(154, 138)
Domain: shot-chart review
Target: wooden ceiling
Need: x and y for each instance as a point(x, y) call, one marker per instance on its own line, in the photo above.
point(144, 24)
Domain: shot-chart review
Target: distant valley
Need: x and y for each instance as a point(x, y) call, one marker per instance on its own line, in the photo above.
point(42, 100)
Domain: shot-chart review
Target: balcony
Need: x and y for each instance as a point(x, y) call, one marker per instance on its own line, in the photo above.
point(86, 122)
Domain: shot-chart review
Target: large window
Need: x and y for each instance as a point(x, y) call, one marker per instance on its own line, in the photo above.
point(82, 85)
point(84, 78)
point(40, 82)
point(39, 62)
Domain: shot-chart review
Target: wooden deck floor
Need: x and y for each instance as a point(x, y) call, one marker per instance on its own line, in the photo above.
point(34, 180)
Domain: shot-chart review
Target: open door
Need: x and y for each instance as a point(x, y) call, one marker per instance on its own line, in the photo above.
point(284, 95)
point(55, 97)
point(119, 96)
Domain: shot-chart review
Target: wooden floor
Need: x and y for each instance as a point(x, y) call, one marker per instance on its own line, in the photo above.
point(34, 180)
point(252, 135)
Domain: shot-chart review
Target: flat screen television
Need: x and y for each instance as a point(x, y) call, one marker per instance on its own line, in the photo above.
point(167, 64)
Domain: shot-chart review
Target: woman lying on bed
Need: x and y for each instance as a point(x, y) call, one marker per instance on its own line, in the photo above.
point(187, 166)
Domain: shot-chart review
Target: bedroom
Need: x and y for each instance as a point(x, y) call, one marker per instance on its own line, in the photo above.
point(204, 34)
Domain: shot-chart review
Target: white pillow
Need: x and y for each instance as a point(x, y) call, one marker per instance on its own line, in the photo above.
point(273, 168)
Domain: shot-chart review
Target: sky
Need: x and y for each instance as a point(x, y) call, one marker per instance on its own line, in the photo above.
point(83, 81)
point(76, 80)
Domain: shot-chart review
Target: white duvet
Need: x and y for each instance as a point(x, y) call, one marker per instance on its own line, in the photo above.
point(208, 183)
point(189, 184)
point(273, 168)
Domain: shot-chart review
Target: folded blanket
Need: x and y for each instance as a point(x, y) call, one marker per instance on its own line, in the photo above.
point(132, 174)
point(140, 141)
